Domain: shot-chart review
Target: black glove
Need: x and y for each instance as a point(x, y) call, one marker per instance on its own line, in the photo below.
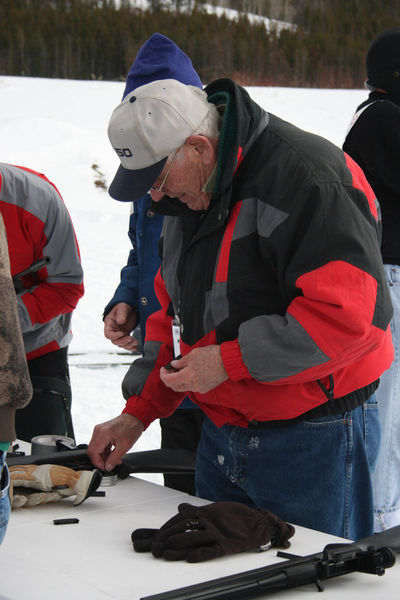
point(200, 533)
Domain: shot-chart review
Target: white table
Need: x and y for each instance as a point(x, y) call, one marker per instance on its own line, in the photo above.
point(94, 559)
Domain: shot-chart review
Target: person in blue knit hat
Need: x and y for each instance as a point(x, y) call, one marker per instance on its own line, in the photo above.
point(134, 299)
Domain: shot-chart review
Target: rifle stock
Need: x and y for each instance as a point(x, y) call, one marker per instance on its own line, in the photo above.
point(36, 266)
point(146, 461)
point(370, 555)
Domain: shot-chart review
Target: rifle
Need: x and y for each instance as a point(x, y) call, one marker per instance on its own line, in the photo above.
point(36, 266)
point(372, 554)
point(146, 461)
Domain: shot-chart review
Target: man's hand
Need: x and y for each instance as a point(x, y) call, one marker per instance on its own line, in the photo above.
point(112, 439)
point(200, 371)
point(119, 324)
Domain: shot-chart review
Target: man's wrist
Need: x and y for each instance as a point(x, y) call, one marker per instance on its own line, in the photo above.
point(135, 407)
point(233, 362)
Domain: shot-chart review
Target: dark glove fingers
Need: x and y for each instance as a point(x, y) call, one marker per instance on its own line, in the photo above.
point(184, 507)
point(157, 548)
point(159, 541)
point(141, 534)
point(162, 538)
point(142, 545)
point(190, 539)
point(172, 521)
point(282, 535)
point(173, 554)
point(179, 526)
point(280, 530)
point(204, 553)
point(142, 539)
point(163, 534)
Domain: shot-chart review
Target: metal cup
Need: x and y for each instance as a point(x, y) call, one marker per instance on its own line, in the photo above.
point(47, 444)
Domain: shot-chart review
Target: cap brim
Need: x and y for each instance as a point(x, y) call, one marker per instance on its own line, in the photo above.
point(129, 185)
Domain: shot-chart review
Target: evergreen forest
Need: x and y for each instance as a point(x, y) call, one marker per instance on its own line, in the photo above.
point(324, 44)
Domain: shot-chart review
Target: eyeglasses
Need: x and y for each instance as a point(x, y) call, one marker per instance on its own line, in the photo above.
point(159, 188)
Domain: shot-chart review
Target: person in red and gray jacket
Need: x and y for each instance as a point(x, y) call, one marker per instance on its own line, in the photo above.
point(39, 227)
point(272, 278)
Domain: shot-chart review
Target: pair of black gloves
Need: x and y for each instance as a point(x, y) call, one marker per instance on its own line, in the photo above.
point(199, 533)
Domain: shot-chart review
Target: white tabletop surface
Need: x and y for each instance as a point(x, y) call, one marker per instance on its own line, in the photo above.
point(94, 559)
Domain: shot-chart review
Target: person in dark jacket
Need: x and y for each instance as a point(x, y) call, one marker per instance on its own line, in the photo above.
point(272, 279)
point(134, 299)
point(373, 141)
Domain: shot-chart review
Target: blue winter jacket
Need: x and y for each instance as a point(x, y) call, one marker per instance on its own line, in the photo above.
point(136, 287)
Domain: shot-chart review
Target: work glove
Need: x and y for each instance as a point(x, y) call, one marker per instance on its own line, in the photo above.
point(39, 484)
point(199, 533)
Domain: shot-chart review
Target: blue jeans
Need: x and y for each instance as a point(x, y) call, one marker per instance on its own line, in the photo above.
point(4, 497)
point(386, 478)
point(312, 473)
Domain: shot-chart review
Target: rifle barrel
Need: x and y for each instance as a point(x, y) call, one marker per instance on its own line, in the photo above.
point(370, 555)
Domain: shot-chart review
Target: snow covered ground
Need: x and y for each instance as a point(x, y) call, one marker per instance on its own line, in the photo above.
point(59, 127)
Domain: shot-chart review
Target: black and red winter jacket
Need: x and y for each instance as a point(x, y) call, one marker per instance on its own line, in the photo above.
point(283, 271)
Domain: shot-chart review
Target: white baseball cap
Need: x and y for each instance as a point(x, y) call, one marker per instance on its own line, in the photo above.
point(151, 123)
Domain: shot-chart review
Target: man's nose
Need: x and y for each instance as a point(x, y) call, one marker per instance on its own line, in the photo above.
point(156, 196)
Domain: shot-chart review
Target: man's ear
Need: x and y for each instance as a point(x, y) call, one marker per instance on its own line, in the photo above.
point(203, 147)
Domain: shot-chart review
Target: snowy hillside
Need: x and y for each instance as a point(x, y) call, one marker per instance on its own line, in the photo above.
point(229, 13)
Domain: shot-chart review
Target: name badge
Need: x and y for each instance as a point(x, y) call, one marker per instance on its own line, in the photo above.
point(176, 337)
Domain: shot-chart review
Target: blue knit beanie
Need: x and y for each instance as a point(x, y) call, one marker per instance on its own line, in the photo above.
point(160, 58)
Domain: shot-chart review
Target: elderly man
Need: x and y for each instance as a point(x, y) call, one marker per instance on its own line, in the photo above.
point(272, 289)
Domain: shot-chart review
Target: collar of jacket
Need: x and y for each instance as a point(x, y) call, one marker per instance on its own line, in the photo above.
point(378, 96)
point(243, 121)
